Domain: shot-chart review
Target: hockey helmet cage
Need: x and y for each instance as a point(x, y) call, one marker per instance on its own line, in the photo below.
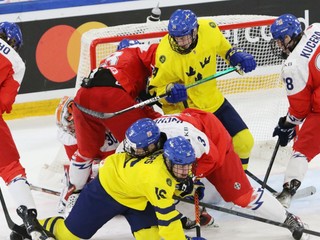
point(64, 115)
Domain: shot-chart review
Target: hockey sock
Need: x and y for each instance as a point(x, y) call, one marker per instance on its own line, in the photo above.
point(79, 171)
point(19, 186)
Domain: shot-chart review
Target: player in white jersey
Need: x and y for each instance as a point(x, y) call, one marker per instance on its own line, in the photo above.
point(217, 161)
point(301, 76)
point(11, 171)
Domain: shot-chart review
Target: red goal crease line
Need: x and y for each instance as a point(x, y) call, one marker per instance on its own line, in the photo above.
point(98, 41)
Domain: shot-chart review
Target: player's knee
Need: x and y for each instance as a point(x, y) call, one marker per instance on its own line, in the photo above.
point(57, 226)
point(147, 233)
point(243, 143)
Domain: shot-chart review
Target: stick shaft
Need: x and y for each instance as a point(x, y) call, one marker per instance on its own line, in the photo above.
point(274, 154)
point(197, 213)
point(14, 227)
point(248, 216)
point(152, 100)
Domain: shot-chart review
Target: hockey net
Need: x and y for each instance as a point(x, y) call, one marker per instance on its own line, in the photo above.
point(250, 32)
point(259, 96)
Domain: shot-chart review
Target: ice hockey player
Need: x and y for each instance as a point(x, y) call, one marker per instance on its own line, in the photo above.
point(301, 76)
point(187, 54)
point(113, 86)
point(133, 141)
point(220, 165)
point(67, 136)
point(139, 188)
point(11, 171)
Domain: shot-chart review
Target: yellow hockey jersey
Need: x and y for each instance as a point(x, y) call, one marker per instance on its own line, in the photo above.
point(133, 182)
point(172, 67)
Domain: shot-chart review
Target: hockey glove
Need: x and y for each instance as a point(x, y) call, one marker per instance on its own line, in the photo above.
point(185, 187)
point(176, 93)
point(198, 187)
point(236, 56)
point(285, 131)
point(195, 238)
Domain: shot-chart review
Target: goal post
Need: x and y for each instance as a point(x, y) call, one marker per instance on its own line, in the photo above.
point(258, 96)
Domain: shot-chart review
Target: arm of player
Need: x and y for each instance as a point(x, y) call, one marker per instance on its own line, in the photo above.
point(238, 57)
point(9, 91)
point(160, 195)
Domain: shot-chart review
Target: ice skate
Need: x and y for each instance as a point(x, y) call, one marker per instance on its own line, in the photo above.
point(289, 189)
point(33, 227)
point(206, 219)
point(296, 225)
point(187, 223)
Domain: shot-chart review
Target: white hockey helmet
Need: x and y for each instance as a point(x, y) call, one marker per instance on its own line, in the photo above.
point(64, 116)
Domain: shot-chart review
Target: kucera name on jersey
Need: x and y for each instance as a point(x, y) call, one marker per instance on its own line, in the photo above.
point(310, 45)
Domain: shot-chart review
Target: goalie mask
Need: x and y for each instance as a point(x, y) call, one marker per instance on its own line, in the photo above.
point(64, 117)
point(182, 28)
point(11, 33)
point(142, 138)
point(286, 32)
point(179, 156)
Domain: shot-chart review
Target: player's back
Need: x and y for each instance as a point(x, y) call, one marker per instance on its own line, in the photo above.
point(133, 182)
point(129, 69)
point(10, 63)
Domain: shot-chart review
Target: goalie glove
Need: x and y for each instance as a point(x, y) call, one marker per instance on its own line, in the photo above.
point(285, 131)
point(237, 56)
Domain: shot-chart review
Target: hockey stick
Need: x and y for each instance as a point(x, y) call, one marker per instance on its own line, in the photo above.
point(14, 227)
point(197, 213)
point(255, 178)
point(264, 184)
point(45, 190)
point(301, 193)
point(248, 216)
point(102, 115)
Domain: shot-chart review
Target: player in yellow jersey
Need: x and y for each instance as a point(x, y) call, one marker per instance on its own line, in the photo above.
point(188, 54)
point(139, 188)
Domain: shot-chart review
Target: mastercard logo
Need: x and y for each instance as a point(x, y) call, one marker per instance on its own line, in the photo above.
point(58, 51)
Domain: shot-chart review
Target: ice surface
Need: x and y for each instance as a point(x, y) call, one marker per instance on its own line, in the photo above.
point(37, 144)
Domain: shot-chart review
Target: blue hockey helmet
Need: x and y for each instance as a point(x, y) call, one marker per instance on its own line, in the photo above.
point(285, 25)
point(178, 150)
point(124, 43)
point(139, 136)
point(11, 33)
point(182, 23)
